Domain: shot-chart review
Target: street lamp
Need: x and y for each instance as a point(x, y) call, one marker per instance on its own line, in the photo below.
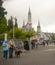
point(6, 33)
point(5, 36)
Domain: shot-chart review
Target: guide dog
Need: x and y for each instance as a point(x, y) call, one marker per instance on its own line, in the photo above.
point(17, 52)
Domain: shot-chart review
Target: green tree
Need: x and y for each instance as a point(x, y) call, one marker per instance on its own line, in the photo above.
point(10, 23)
point(2, 10)
point(18, 33)
point(53, 36)
point(3, 26)
point(3, 21)
point(16, 25)
point(30, 33)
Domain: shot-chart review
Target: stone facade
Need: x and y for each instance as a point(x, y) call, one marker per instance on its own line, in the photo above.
point(39, 33)
point(28, 26)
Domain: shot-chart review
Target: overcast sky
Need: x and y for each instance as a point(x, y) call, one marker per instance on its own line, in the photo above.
point(44, 10)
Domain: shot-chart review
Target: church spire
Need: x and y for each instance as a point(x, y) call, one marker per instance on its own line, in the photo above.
point(38, 22)
point(29, 12)
point(39, 28)
point(29, 15)
point(29, 9)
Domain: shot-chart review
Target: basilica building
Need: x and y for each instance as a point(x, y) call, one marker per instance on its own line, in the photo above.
point(28, 26)
point(39, 34)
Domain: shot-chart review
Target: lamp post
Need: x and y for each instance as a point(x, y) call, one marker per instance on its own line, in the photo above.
point(6, 33)
point(5, 36)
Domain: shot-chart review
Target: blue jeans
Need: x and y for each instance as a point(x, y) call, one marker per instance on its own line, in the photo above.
point(5, 54)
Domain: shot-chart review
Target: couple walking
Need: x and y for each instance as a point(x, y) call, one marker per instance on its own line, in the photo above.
point(8, 48)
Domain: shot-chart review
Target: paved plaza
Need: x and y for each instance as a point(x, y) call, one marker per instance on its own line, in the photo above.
point(39, 56)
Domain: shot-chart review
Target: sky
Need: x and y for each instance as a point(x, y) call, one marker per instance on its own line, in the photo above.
point(42, 10)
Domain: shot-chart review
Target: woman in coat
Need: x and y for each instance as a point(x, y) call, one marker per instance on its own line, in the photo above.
point(5, 49)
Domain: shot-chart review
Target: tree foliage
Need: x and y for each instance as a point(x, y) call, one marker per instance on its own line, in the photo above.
point(2, 10)
point(53, 36)
point(16, 25)
point(3, 21)
point(10, 23)
point(30, 33)
point(18, 33)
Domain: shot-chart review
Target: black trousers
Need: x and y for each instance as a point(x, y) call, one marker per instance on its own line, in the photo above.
point(10, 52)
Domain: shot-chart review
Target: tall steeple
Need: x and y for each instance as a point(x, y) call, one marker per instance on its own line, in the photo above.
point(39, 28)
point(29, 11)
point(29, 19)
point(38, 23)
point(24, 26)
point(29, 15)
point(28, 26)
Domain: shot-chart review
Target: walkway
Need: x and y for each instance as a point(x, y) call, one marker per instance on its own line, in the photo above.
point(40, 56)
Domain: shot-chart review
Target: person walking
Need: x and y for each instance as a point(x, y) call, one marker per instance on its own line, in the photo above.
point(26, 45)
point(5, 49)
point(11, 48)
point(43, 43)
point(33, 44)
point(11, 51)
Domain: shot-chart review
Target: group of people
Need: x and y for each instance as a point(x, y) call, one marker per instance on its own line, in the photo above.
point(8, 48)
